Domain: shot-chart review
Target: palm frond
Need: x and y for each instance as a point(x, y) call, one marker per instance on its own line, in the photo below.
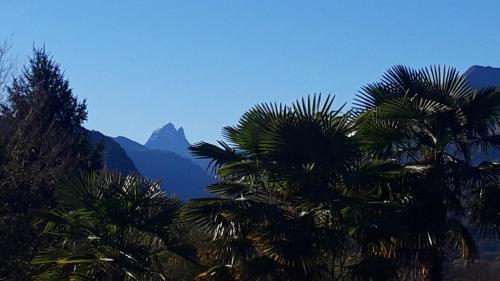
point(218, 155)
point(112, 225)
point(462, 240)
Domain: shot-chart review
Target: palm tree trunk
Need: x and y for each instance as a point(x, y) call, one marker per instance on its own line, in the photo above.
point(437, 198)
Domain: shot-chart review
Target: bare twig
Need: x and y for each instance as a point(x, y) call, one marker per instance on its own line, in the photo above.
point(6, 66)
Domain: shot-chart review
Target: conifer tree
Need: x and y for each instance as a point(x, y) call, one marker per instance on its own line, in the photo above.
point(42, 140)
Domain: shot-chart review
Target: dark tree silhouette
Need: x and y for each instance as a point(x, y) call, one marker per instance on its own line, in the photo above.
point(42, 139)
point(432, 123)
point(115, 227)
point(290, 178)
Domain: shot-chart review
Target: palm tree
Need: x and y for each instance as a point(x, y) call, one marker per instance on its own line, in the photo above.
point(114, 227)
point(435, 126)
point(289, 177)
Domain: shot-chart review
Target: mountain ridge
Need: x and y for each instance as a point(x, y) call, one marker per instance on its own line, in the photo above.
point(483, 76)
point(114, 157)
point(179, 176)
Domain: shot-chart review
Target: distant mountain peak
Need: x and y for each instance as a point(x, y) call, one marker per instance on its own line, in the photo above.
point(169, 138)
point(169, 128)
point(181, 131)
point(169, 125)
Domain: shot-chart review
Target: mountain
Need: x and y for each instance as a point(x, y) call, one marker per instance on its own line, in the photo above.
point(113, 155)
point(179, 176)
point(483, 76)
point(170, 139)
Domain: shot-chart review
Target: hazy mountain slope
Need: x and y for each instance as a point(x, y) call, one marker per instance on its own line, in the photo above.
point(168, 138)
point(179, 176)
point(483, 76)
point(129, 144)
point(113, 155)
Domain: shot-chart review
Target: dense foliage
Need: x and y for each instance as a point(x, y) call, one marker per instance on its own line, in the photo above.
point(113, 227)
point(432, 122)
point(386, 188)
point(277, 208)
point(41, 139)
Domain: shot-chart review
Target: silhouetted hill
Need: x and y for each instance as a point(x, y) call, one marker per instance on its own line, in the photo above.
point(483, 76)
point(114, 156)
point(179, 176)
point(129, 144)
point(168, 138)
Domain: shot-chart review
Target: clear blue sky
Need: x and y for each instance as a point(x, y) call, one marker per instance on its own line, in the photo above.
point(201, 64)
